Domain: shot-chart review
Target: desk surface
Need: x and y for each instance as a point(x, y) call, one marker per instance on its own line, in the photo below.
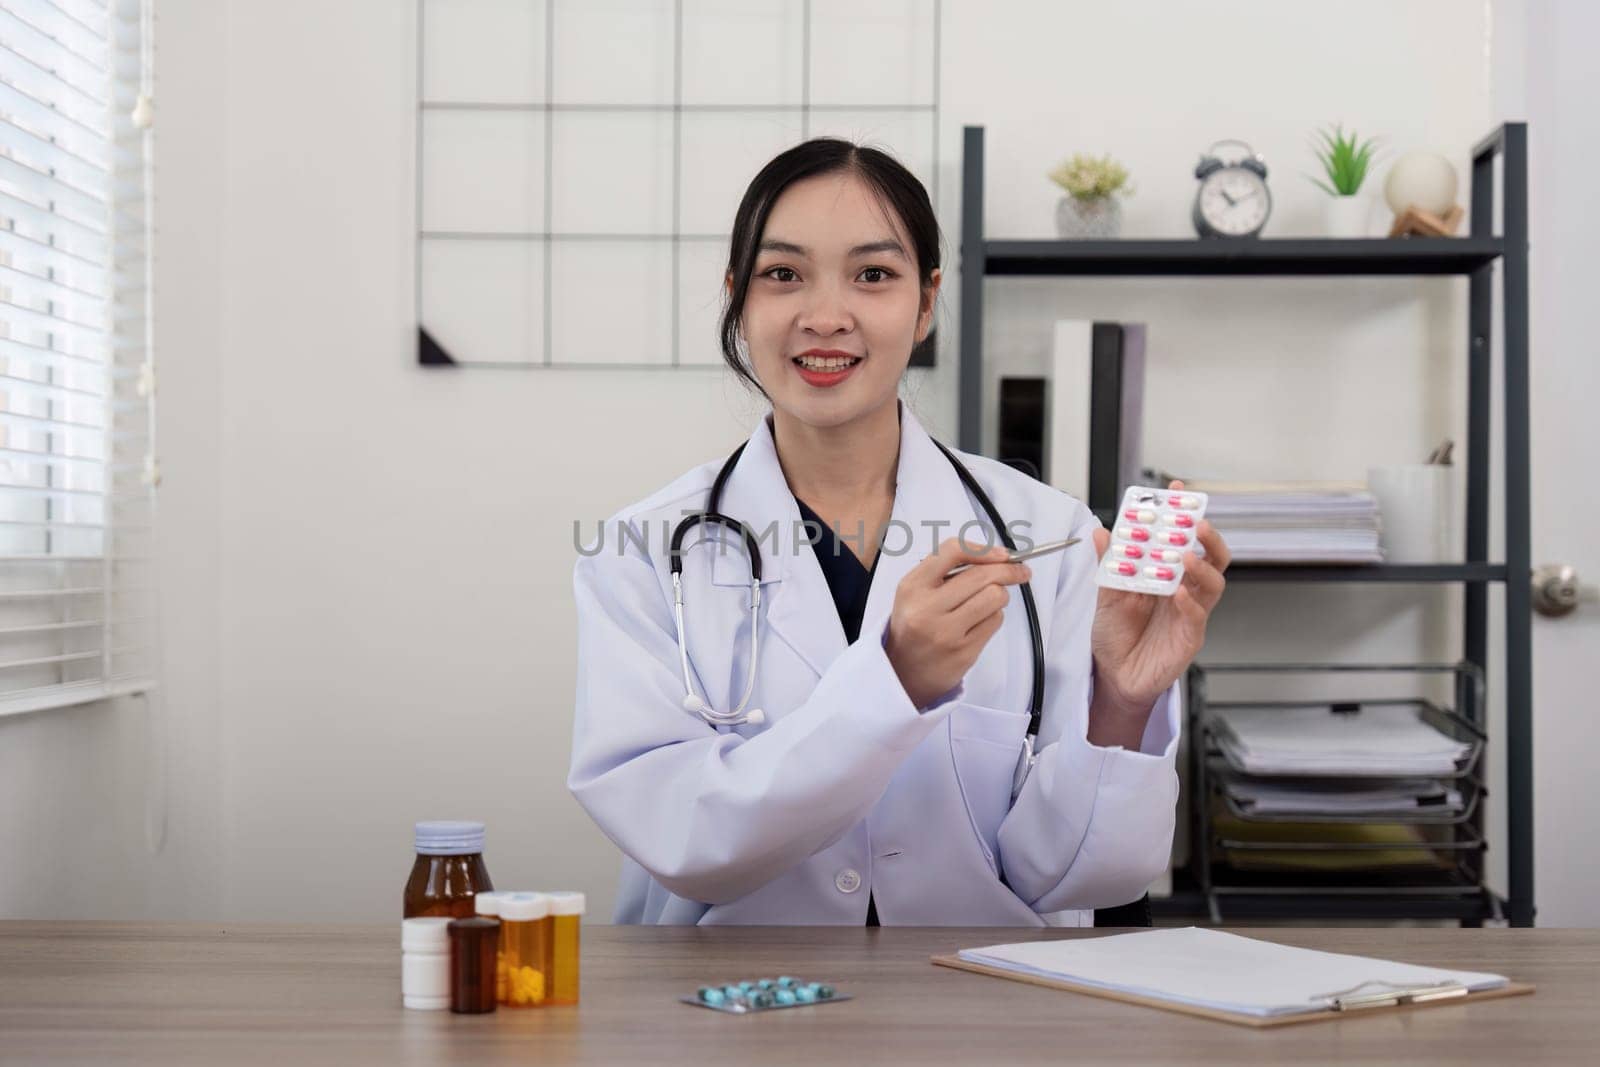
point(96, 992)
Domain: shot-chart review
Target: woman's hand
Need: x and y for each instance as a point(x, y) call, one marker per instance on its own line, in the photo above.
point(1143, 643)
point(938, 625)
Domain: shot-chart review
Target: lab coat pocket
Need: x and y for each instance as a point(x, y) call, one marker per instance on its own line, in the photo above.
point(985, 745)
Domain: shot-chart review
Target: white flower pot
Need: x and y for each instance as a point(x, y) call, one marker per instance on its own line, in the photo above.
point(1346, 216)
point(1100, 217)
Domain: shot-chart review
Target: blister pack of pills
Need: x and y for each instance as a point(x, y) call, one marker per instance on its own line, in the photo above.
point(764, 994)
point(1154, 528)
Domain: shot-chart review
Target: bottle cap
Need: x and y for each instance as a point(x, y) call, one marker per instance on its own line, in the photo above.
point(425, 933)
point(522, 907)
point(446, 837)
point(488, 903)
point(566, 903)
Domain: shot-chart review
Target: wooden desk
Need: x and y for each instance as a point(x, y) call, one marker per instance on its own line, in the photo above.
point(297, 995)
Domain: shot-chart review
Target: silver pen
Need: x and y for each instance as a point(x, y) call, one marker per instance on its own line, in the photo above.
point(1018, 557)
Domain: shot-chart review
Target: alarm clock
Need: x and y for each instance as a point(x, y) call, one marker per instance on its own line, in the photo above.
point(1233, 199)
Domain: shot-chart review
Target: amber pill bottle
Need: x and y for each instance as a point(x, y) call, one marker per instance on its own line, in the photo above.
point(488, 905)
point(525, 949)
point(566, 920)
point(474, 948)
point(449, 870)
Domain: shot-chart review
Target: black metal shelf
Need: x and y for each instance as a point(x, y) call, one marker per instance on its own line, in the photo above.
point(1484, 259)
point(1293, 256)
point(1375, 572)
point(1474, 907)
point(1461, 901)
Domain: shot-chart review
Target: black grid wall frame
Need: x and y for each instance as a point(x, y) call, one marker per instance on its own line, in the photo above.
point(579, 162)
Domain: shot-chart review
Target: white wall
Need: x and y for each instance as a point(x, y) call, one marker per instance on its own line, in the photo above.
point(373, 622)
point(396, 606)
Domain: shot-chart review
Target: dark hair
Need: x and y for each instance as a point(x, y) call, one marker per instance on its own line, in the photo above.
point(896, 186)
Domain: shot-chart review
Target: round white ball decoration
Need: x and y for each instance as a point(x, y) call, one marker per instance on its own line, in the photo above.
point(1423, 180)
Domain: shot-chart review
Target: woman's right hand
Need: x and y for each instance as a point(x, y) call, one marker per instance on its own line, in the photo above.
point(939, 625)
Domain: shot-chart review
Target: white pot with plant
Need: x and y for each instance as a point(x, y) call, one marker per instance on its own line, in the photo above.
point(1346, 162)
point(1092, 206)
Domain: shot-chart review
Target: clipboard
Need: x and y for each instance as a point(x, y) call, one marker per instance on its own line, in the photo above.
point(1355, 1003)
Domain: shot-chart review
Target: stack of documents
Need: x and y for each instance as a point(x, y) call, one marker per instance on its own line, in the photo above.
point(1392, 848)
point(1296, 522)
point(1347, 790)
point(1342, 796)
point(1375, 742)
point(1207, 969)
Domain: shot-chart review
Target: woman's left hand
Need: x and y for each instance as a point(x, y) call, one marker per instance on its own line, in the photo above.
point(1143, 643)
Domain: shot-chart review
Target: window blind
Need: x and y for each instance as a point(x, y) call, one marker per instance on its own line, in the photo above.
point(77, 468)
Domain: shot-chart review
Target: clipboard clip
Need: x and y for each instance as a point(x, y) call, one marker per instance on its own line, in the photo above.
point(1353, 999)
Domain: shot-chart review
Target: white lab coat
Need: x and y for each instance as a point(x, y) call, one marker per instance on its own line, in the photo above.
point(847, 788)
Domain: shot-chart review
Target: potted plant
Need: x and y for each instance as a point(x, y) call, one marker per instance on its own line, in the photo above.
point(1345, 161)
point(1091, 207)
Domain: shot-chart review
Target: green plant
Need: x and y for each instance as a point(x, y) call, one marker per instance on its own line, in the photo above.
point(1092, 177)
point(1344, 159)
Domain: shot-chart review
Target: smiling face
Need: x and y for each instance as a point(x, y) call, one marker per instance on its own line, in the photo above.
point(835, 305)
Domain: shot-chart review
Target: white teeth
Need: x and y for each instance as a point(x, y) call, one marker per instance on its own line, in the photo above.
point(825, 364)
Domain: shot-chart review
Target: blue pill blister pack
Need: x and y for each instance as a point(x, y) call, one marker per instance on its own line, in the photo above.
point(764, 994)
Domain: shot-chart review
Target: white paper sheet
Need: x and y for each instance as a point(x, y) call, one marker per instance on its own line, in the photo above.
point(1376, 741)
point(1343, 796)
point(1296, 521)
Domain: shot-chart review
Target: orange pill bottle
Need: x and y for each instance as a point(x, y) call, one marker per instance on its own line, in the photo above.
point(525, 948)
point(566, 920)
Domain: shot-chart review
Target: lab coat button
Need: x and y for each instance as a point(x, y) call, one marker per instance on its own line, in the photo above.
point(847, 881)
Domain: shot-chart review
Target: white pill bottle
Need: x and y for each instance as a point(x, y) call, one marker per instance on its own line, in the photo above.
point(425, 963)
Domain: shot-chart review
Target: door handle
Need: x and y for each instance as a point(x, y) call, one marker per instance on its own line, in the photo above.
point(1557, 590)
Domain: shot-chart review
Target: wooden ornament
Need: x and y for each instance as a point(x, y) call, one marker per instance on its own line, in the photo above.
point(1415, 222)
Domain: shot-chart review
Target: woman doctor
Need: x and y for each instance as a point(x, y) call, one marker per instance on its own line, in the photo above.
point(876, 782)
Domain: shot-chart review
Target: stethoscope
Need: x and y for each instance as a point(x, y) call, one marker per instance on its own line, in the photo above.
point(693, 702)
